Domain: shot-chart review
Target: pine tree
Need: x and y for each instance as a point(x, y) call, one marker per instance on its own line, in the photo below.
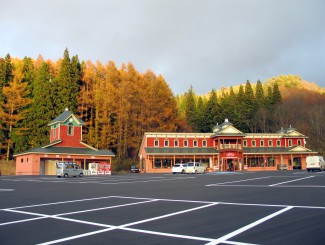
point(212, 111)
point(190, 107)
point(42, 110)
point(66, 84)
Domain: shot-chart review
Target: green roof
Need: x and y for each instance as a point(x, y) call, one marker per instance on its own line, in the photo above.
point(65, 116)
point(180, 150)
point(268, 150)
point(68, 150)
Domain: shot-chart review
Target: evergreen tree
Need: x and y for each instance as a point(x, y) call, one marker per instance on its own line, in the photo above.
point(237, 108)
point(66, 84)
point(200, 121)
point(42, 110)
point(212, 112)
point(276, 95)
point(190, 107)
point(249, 106)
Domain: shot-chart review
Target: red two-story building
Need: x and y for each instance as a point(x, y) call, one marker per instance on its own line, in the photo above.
point(65, 145)
point(225, 146)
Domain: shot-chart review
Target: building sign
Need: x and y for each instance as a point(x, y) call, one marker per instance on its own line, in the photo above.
point(230, 154)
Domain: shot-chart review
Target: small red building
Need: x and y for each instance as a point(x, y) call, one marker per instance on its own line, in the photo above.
point(65, 145)
point(225, 146)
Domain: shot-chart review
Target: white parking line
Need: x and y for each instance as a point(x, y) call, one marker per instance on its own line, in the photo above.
point(247, 227)
point(239, 181)
point(291, 181)
point(7, 189)
point(127, 227)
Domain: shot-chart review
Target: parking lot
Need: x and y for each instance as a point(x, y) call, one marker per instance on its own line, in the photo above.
point(284, 207)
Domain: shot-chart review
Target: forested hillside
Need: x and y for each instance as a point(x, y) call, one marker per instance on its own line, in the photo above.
point(120, 104)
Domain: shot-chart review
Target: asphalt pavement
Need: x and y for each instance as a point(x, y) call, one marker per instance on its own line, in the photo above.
point(281, 207)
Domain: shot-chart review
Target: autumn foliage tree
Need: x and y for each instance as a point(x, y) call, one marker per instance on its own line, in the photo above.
point(119, 104)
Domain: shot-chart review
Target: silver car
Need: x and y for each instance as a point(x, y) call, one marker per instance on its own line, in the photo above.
point(67, 169)
point(195, 168)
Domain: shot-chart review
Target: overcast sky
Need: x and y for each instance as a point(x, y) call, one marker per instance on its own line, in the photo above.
point(201, 43)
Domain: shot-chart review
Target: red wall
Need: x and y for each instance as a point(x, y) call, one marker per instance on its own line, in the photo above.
point(151, 142)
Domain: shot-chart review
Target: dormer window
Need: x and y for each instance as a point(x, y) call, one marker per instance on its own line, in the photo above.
point(70, 129)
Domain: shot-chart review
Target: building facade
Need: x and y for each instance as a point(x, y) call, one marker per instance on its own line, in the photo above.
point(65, 145)
point(226, 146)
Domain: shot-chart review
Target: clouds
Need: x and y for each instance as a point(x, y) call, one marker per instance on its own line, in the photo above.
point(207, 44)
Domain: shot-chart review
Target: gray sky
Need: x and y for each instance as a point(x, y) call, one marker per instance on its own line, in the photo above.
point(204, 43)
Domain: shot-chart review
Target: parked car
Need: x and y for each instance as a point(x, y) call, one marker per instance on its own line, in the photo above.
point(67, 169)
point(179, 168)
point(134, 169)
point(195, 168)
point(315, 163)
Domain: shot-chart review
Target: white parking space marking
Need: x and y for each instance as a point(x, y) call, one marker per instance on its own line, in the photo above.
point(247, 227)
point(291, 181)
point(101, 181)
point(236, 181)
point(278, 185)
point(127, 227)
point(6, 190)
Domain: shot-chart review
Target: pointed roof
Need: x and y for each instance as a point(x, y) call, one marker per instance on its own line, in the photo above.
point(64, 116)
point(227, 128)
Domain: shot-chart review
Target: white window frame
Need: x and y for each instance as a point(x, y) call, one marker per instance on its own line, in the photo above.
point(262, 143)
point(156, 143)
point(185, 143)
point(245, 143)
point(176, 143)
point(166, 143)
point(290, 142)
point(278, 142)
point(253, 143)
point(204, 143)
point(195, 143)
point(270, 143)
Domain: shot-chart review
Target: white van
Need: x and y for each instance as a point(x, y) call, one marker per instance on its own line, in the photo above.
point(67, 169)
point(195, 168)
point(315, 163)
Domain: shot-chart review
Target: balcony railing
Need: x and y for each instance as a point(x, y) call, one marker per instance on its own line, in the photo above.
point(230, 146)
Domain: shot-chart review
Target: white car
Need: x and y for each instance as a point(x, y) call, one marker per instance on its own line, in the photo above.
point(315, 163)
point(195, 168)
point(179, 168)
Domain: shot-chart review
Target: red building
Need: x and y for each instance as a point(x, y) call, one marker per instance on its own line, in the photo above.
point(225, 146)
point(65, 145)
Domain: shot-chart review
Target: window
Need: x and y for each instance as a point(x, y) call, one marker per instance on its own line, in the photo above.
point(253, 143)
point(156, 143)
point(245, 143)
point(262, 143)
point(54, 132)
point(278, 142)
point(70, 130)
point(270, 142)
point(185, 143)
point(22, 160)
point(166, 143)
point(204, 143)
point(195, 143)
point(290, 143)
point(299, 142)
point(176, 143)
